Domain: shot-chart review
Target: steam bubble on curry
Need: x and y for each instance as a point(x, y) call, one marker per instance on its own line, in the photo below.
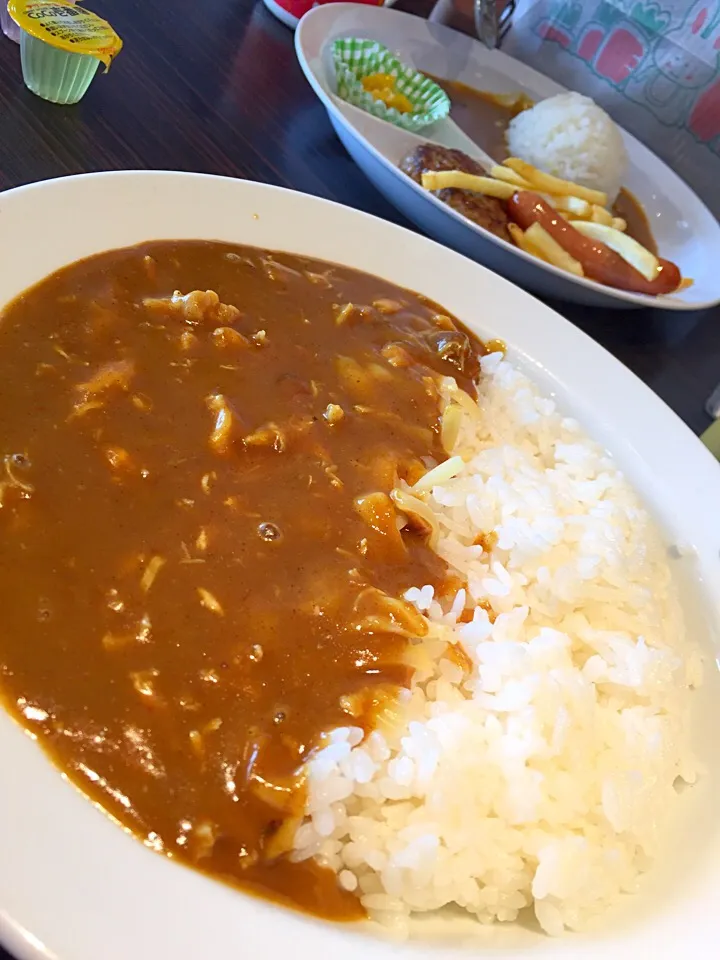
point(313, 592)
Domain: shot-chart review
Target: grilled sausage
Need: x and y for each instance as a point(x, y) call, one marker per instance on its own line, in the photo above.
point(598, 261)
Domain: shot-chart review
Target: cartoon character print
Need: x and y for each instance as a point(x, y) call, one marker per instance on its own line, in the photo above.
point(558, 22)
point(675, 78)
point(676, 75)
point(612, 43)
point(704, 123)
point(613, 54)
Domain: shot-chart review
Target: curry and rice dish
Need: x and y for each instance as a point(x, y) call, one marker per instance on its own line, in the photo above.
point(554, 188)
point(314, 592)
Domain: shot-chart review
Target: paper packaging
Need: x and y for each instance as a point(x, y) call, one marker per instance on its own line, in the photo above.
point(654, 65)
point(357, 59)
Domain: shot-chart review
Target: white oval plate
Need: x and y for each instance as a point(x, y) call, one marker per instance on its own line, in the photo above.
point(685, 230)
point(73, 885)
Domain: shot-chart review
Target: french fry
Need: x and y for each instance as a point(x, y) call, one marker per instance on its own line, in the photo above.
point(601, 215)
point(520, 240)
point(546, 183)
point(516, 234)
point(577, 208)
point(630, 250)
point(509, 176)
point(552, 251)
point(619, 224)
point(685, 283)
point(442, 179)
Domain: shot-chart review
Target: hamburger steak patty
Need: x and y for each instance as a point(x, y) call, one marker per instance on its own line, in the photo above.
point(487, 212)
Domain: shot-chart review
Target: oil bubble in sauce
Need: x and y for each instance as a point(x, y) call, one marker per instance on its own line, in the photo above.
point(269, 532)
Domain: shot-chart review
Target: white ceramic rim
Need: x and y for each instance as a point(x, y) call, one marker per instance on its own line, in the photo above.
point(657, 169)
point(75, 887)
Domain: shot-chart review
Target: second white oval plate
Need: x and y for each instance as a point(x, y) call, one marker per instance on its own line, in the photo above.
point(685, 230)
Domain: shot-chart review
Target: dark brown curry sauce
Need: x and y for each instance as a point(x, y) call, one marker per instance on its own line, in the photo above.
point(198, 552)
point(485, 117)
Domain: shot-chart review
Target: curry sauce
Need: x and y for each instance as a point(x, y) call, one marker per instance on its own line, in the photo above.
point(483, 116)
point(200, 562)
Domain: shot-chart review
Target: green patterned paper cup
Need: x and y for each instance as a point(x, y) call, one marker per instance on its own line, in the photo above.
point(355, 59)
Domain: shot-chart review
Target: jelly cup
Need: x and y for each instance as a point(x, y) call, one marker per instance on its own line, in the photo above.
point(54, 74)
point(9, 27)
point(61, 46)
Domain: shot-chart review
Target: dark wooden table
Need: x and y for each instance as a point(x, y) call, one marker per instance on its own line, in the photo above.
point(213, 86)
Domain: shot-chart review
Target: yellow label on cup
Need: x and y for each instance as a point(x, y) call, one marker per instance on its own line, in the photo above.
point(67, 27)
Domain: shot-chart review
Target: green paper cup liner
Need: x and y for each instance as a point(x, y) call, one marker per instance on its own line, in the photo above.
point(355, 59)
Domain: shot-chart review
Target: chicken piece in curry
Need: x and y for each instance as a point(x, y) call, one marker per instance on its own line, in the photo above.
point(201, 566)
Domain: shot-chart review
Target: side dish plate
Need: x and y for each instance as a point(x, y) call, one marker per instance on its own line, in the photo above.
point(685, 230)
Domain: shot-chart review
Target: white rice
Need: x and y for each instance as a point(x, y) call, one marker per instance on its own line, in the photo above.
point(570, 136)
point(545, 777)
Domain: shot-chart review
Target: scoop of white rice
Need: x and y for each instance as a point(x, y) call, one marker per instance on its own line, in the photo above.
point(543, 774)
point(571, 137)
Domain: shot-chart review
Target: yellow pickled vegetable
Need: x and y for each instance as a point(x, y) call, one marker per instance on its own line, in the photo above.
point(382, 87)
